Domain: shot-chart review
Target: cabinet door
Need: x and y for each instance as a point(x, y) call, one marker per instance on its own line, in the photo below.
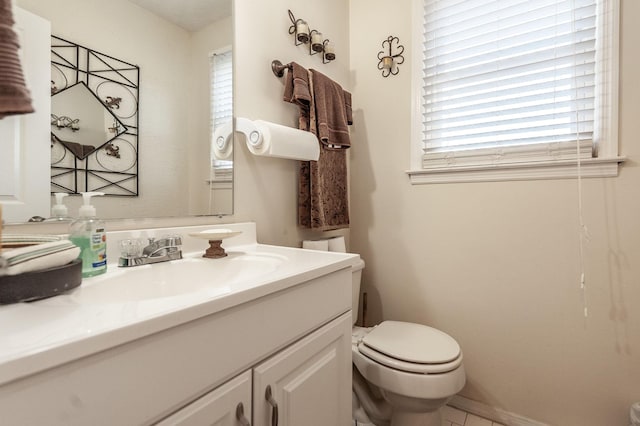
point(218, 407)
point(310, 381)
point(25, 140)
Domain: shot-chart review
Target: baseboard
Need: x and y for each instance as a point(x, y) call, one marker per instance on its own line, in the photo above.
point(492, 413)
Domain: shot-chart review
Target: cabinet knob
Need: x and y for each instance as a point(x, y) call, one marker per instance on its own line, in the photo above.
point(274, 412)
point(240, 415)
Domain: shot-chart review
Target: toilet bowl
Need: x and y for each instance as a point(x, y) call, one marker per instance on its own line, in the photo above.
point(403, 372)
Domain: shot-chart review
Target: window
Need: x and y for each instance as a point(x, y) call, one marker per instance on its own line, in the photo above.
point(221, 71)
point(518, 85)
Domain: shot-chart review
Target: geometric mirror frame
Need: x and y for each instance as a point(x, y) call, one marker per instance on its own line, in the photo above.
point(94, 121)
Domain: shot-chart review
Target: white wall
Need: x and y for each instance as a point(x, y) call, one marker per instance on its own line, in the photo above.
point(496, 265)
point(162, 51)
point(266, 188)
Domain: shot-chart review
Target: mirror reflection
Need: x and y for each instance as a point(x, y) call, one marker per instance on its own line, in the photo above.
point(184, 53)
point(81, 122)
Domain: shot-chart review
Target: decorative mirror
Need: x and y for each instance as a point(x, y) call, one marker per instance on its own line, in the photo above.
point(94, 121)
point(160, 164)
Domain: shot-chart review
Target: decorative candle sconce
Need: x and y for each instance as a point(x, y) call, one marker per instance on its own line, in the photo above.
point(303, 34)
point(388, 60)
point(115, 128)
point(65, 122)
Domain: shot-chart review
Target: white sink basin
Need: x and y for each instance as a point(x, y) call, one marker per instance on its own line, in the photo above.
point(192, 274)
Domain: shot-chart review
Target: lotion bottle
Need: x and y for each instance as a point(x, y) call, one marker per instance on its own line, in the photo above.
point(88, 233)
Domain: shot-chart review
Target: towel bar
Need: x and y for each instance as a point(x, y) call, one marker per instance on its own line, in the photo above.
point(278, 68)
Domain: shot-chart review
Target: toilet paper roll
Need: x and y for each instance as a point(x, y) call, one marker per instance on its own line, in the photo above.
point(274, 140)
point(222, 143)
point(322, 245)
point(337, 244)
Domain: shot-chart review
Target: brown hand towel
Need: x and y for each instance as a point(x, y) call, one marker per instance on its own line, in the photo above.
point(331, 111)
point(297, 91)
point(296, 86)
point(14, 95)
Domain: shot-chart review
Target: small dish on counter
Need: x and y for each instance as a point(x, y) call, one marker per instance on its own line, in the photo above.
point(215, 237)
point(215, 234)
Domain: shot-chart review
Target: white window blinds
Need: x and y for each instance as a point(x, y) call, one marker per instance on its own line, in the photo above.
point(221, 69)
point(508, 78)
point(221, 89)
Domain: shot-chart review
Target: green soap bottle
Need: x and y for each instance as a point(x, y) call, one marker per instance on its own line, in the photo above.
point(88, 232)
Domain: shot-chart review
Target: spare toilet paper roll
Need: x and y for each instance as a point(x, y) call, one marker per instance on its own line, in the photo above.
point(275, 140)
point(223, 142)
point(337, 244)
point(322, 245)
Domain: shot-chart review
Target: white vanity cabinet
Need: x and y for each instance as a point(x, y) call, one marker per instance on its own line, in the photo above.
point(193, 366)
point(309, 384)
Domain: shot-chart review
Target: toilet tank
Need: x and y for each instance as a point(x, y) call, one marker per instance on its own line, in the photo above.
point(356, 278)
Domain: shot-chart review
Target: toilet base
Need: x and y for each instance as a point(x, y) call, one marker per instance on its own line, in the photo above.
point(432, 418)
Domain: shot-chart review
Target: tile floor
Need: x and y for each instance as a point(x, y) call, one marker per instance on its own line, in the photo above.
point(455, 417)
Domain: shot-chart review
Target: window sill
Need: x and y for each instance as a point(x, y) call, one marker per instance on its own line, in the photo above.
point(563, 169)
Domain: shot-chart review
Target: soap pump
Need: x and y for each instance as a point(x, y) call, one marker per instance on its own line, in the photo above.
point(59, 211)
point(88, 232)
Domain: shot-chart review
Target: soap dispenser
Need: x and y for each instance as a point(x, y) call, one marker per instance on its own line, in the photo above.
point(59, 212)
point(88, 233)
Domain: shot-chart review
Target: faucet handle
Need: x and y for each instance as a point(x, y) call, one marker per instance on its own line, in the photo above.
point(173, 239)
point(130, 248)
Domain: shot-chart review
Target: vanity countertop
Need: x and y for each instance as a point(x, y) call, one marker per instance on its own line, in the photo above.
point(126, 304)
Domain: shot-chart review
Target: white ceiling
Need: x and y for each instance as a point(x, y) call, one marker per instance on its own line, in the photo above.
point(192, 15)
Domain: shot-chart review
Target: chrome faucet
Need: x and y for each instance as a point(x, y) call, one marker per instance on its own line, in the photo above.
point(161, 250)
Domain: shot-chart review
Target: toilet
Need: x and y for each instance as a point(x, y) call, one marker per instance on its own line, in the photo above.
point(403, 373)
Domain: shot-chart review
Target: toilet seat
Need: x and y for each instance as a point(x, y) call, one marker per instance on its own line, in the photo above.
point(412, 348)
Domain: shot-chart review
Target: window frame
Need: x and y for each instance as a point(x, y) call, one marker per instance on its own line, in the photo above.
point(476, 165)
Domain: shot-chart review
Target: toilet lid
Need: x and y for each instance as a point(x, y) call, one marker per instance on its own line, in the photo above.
point(406, 344)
